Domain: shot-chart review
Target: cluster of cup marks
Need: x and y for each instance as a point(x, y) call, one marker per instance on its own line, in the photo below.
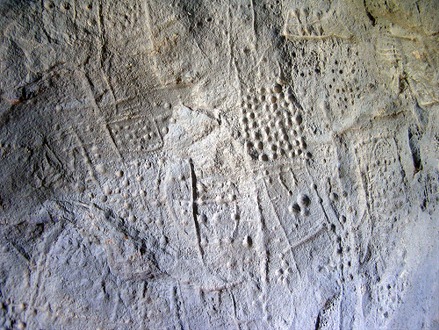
point(301, 206)
point(142, 133)
point(134, 131)
point(272, 124)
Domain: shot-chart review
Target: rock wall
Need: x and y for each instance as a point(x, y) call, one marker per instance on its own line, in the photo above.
point(219, 164)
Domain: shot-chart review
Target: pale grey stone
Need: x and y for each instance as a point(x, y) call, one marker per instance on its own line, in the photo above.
point(219, 164)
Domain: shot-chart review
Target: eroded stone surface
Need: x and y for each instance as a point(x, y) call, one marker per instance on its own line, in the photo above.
point(219, 164)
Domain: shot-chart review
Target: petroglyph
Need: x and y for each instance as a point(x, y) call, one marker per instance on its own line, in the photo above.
point(219, 164)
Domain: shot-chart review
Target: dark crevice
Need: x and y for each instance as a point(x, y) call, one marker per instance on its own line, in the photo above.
point(413, 137)
point(318, 323)
point(369, 15)
point(195, 212)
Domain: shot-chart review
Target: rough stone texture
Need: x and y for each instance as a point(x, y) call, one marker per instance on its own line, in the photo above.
point(219, 164)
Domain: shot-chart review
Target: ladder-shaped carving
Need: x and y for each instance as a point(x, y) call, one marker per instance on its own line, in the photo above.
point(303, 24)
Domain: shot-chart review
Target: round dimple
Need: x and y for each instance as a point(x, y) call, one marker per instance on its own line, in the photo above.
point(298, 119)
point(277, 88)
point(235, 216)
point(49, 5)
point(295, 208)
point(119, 174)
point(255, 135)
point(263, 157)
point(260, 145)
point(304, 200)
point(273, 99)
point(247, 242)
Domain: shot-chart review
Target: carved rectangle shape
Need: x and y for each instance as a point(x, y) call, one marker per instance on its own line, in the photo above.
point(135, 135)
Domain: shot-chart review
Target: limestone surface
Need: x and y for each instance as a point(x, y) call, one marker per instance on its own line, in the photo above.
point(219, 164)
